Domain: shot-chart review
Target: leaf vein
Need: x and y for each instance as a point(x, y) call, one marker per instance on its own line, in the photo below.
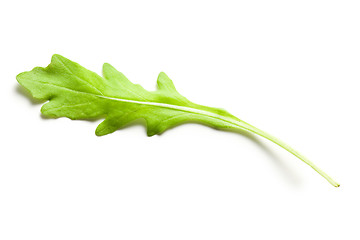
point(82, 80)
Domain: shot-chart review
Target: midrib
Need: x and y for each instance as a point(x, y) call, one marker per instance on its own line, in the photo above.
point(176, 107)
point(238, 124)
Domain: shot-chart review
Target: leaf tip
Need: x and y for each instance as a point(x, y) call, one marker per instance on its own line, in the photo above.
point(150, 132)
point(99, 133)
point(106, 65)
point(164, 82)
point(162, 75)
point(19, 77)
point(102, 129)
point(56, 56)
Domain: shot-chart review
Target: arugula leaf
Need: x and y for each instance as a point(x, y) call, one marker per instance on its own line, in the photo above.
point(78, 93)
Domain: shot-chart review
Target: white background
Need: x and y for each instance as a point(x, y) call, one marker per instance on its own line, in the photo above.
point(290, 68)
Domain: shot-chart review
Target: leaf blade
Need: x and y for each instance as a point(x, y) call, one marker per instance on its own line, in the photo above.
point(73, 91)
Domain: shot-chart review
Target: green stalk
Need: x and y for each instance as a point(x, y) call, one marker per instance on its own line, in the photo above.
point(285, 146)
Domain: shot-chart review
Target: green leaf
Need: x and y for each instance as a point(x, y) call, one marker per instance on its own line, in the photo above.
point(77, 93)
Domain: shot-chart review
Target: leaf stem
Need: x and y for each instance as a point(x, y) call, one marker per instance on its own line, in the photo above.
point(285, 146)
